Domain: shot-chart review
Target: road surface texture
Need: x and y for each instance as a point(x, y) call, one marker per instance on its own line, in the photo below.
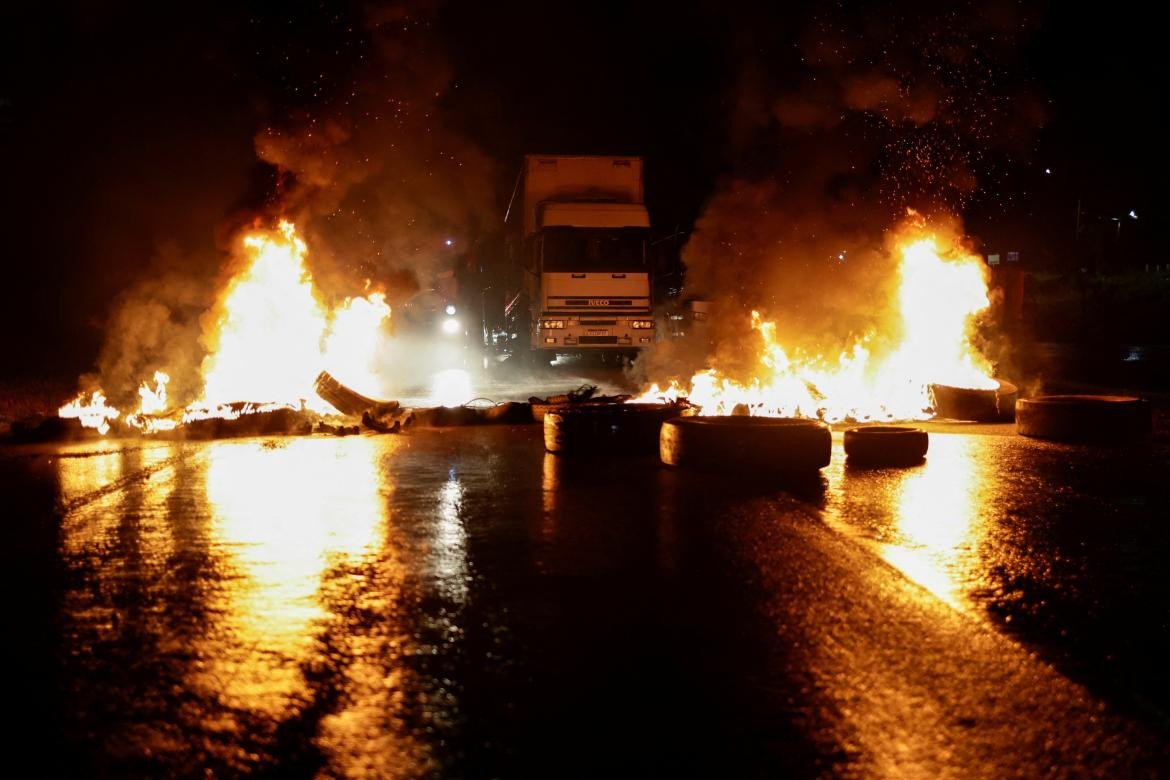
point(459, 603)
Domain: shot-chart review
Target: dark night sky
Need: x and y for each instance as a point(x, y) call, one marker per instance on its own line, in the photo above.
point(125, 129)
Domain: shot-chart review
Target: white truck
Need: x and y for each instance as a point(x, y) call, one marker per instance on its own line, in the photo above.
point(583, 271)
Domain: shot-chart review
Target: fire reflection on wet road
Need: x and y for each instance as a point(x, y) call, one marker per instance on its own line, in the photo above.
point(277, 535)
point(265, 584)
point(1059, 544)
point(453, 601)
point(928, 522)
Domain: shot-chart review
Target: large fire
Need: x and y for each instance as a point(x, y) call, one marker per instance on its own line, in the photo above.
point(941, 289)
point(270, 336)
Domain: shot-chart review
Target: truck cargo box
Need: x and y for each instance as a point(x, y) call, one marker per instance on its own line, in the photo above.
point(550, 178)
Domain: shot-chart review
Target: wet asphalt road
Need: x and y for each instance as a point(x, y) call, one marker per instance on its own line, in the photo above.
point(458, 602)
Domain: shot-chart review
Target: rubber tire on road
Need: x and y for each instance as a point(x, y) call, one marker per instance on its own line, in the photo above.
point(540, 410)
point(1084, 417)
point(746, 444)
point(885, 445)
point(967, 403)
point(618, 429)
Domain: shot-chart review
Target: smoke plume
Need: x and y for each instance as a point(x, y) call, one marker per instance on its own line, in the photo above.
point(381, 185)
point(873, 111)
point(360, 158)
point(155, 325)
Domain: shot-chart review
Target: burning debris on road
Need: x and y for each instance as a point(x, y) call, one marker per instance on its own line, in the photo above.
point(887, 331)
point(921, 339)
point(270, 339)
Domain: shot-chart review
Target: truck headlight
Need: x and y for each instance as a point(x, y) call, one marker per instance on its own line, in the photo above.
point(450, 309)
point(450, 326)
point(552, 324)
point(641, 324)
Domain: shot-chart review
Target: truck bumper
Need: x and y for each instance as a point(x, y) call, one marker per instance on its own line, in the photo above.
point(578, 336)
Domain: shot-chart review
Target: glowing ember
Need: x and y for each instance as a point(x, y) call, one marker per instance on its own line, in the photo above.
point(233, 411)
point(939, 293)
point(270, 336)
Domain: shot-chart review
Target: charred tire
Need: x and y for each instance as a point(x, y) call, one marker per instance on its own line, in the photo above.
point(1084, 417)
point(746, 444)
point(622, 429)
point(540, 410)
point(886, 445)
point(509, 412)
point(966, 403)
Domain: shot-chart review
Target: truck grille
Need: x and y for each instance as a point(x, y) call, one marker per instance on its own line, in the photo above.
point(599, 322)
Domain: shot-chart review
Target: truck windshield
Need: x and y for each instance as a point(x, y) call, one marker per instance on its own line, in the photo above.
point(594, 249)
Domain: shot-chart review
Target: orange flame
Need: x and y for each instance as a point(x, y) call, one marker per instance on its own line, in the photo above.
point(152, 406)
point(940, 291)
point(91, 410)
point(270, 337)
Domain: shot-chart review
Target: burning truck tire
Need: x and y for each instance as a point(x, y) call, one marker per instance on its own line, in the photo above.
point(965, 403)
point(751, 445)
point(1084, 418)
point(886, 445)
point(629, 429)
